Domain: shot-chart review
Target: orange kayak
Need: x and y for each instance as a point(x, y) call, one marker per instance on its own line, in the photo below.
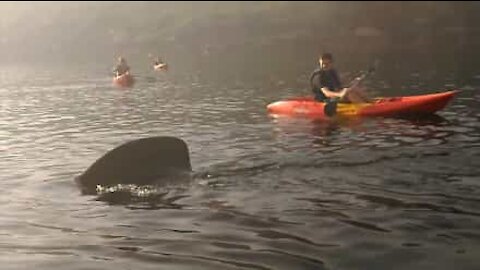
point(124, 80)
point(385, 106)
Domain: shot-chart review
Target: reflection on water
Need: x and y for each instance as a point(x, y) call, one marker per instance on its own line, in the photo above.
point(267, 193)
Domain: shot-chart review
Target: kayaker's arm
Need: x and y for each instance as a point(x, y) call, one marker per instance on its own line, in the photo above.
point(330, 94)
point(115, 71)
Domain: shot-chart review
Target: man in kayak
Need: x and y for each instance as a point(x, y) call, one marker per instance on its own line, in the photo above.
point(328, 85)
point(159, 64)
point(121, 67)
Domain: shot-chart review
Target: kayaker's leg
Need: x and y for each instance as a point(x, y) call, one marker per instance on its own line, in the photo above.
point(355, 95)
point(362, 93)
point(319, 95)
point(319, 98)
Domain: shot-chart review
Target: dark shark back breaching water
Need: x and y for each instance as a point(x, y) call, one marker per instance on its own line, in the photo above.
point(145, 161)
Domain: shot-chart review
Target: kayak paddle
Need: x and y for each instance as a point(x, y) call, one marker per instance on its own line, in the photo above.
point(330, 108)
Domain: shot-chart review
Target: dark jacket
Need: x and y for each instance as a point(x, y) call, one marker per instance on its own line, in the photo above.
point(324, 78)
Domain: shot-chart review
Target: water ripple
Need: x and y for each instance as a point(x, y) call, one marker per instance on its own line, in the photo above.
point(266, 193)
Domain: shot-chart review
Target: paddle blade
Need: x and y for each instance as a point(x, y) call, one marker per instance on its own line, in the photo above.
point(374, 67)
point(330, 108)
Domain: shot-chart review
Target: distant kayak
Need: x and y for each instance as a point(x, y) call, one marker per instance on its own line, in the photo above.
point(384, 106)
point(162, 66)
point(124, 80)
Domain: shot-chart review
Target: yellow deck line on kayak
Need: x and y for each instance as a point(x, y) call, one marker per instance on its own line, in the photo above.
point(350, 109)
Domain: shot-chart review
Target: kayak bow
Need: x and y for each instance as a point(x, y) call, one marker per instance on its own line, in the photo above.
point(124, 80)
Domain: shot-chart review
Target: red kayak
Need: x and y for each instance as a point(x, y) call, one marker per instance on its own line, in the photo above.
point(387, 106)
point(124, 80)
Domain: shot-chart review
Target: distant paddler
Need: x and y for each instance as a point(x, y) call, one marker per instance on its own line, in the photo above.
point(122, 77)
point(121, 67)
point(159, 64)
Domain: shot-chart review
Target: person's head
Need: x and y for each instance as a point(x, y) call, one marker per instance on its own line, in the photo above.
point(121, 60)
point(326, 61)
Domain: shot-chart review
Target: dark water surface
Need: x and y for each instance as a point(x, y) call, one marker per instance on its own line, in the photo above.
point(267, 193)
